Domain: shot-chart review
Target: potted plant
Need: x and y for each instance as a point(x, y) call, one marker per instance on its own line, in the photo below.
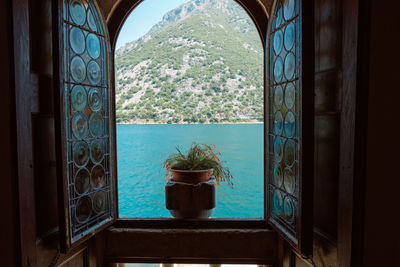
point(199, 164)
point(192, 179)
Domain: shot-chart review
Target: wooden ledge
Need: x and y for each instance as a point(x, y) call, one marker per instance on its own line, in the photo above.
point(252, 246)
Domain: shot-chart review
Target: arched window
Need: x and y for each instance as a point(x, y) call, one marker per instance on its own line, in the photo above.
point(85, 129)
point(196, 75)
point(290, 129)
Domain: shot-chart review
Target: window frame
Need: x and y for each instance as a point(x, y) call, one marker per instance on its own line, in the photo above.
point(66, 243)
point(114, 22)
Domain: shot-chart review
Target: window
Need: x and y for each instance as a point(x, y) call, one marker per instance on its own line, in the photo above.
point(192, 77)
point(87, 180)
point(85, 156)
point(290, 129)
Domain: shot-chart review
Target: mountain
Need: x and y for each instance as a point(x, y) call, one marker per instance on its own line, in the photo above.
point(202, 63)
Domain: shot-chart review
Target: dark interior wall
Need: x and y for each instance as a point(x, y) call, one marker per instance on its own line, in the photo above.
point(8, 189)
point(381, 223)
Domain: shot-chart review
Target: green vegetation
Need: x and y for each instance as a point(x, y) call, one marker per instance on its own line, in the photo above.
point(199, 157)
point(202, 65)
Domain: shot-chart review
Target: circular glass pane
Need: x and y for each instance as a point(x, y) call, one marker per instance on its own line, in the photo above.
point(96, 124)
point(83, 209)
point(277, 175)
point(278, 123)
point(77, 40)
point(78, 98)
point(290, 95)
point(93, 45)
point(82, 181)
point(278, 97)
point(290, 125)
point(78, 69)
point(95, 99)
point(289, 36)
point(80, 152)
point(289, 182)
point(288, 9)
point(278, 18)
point(278, 70)
point(91, 22)
point(77, 11)
point(97, 151)
point(290, 64)
point(94, 74)
point(277, 202)
point(288, 209)
point(98, 176)
point(278, 42)
point(99, 202)
point(278, 149)
point(289, 152)
point(80, 125)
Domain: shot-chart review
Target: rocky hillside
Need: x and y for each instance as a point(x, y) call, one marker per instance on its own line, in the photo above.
point(202, 63)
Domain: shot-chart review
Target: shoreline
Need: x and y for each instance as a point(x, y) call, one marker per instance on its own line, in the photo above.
point(187, 123)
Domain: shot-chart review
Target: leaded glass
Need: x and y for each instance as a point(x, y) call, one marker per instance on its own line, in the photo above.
point(78, 98)
point(94, 72)
point(85, 119)
point(283, 133)
point(93, 45)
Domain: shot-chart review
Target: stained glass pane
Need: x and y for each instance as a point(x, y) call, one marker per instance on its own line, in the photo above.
point(284, 136)
point(86, 119)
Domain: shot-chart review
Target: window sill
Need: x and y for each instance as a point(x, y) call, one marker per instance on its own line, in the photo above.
point(190, 241)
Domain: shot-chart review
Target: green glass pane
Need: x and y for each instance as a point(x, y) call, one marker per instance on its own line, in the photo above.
point(78, 98)
point(91, 21)
point(289, 37)
point(278, 42)
point(83, 209)
point(93, 45)
point(290, 95)
point(97, 150)
point(277, 202)
point(78, 69)
point(82, 181)
point(290, 124)
point(96, 124)
point(290, 65)
point(290, 151)
point(99, 202)
point(77, 40)
point(289, 181)
point(80, 127)
point(97, 177)
point(95, 99)
point(77, 12)
point(278, 70)
point(94, 74)
point(80, 153)
point(288, 9)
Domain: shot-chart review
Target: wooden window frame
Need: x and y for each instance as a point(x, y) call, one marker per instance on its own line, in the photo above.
point(233, 231)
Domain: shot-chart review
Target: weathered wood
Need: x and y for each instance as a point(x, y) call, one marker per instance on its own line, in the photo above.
point(26, 102)
point(347, 130)
point(190, 245)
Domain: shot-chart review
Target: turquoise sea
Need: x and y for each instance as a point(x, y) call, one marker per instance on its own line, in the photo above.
point(141, 149)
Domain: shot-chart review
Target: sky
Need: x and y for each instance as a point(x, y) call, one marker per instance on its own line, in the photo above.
point(143, 17)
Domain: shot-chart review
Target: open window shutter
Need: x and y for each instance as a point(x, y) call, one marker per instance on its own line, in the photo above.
point(290, 127)
point(84, 121)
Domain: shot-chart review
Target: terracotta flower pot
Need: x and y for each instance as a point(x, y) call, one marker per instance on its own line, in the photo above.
point(191, 176)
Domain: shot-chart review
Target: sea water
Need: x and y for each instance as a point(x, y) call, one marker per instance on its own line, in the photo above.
point(141, 149)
